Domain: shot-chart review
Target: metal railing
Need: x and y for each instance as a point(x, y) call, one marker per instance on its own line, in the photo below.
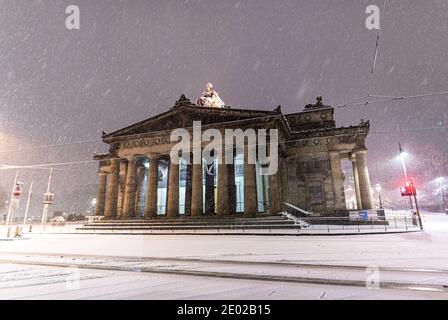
point(350, 224)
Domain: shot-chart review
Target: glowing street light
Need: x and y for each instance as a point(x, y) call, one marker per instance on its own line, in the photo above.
point(401, 156)
point(442, 192)
point(93, 203)
point(378, 189)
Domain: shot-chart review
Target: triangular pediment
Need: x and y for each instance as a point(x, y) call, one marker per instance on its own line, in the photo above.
point(183, 114)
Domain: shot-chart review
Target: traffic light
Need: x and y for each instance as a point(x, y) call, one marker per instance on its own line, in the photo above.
point(408, 189)
point(17, 191)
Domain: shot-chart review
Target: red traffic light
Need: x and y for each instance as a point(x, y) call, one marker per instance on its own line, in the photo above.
point(17, 192)
point(408, 189)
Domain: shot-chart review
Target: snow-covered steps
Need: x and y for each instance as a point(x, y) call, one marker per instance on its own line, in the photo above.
point(209, 225)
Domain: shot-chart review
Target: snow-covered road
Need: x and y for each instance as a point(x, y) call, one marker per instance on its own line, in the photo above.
point(35, 282)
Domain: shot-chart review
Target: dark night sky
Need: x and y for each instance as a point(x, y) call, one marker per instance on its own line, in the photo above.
point(133, 59)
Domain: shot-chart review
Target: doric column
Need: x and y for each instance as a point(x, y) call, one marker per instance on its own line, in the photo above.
point(274, 202)
point(364, 180)
point(101, 196)
point(172, 209)
point(110, 209)
point(130, 188)
point(338, 184)
point(196, 190)
point(284, 180)
point(223, 208)
point(187, 209)
point(121, 184)
point(250, 185)
point(356, 181)
point(210, 189)
point(152, 184)
point(231, 187)
point(138, 192)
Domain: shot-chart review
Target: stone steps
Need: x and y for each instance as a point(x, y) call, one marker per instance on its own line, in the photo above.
point(273, 218)
point(193, 227)
point(190, 223)
point(263, 224)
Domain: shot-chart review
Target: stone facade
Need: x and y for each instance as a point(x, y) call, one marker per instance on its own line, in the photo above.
point(138, 180)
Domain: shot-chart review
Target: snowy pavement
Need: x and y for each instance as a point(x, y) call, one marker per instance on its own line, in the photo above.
point(27, 257)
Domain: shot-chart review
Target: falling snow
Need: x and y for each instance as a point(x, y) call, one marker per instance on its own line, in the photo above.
point(132, 59)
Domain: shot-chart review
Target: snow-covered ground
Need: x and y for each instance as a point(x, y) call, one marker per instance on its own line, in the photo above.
point(427, 249)
point(421, 249)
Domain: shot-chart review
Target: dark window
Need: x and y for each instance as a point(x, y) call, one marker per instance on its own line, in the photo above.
point(315, 192)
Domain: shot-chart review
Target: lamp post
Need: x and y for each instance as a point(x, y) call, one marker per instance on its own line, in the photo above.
point(93, 203)
point(442, 192)
point(378, 189)
point(402, 154)
point(48, 199)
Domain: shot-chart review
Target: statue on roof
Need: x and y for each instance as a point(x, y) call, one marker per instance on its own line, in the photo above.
point(210, 98)
point(317, 105)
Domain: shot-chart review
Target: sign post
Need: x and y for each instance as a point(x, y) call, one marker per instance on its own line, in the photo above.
point(408, 190)
point(11, 200)
point(27, 206)
point(48, 199)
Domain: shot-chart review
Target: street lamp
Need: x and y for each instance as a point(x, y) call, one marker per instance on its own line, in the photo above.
point(401, 156)
point(378, 189)
point(442, 192)
point(93, 202)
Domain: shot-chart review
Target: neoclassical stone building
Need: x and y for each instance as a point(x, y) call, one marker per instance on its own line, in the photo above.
point(137, 179)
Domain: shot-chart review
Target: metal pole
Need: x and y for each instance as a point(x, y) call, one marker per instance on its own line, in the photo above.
point(443, 197)
point(406, 178)
point(27, 206)
point(381, 203)
point(44, 213)
point(11, 199)
point(404, 168)
point(416, 207)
